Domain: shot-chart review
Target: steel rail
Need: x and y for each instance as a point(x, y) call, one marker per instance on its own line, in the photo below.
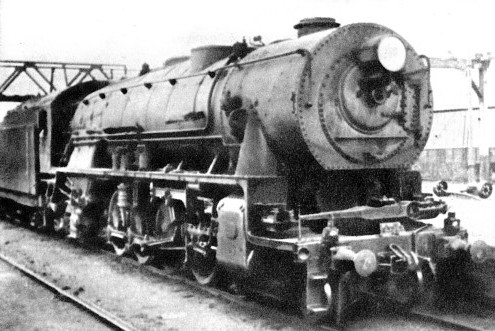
point(446, 322)
point(100, 314)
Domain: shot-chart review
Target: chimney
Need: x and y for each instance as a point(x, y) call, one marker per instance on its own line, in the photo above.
point(311, 25)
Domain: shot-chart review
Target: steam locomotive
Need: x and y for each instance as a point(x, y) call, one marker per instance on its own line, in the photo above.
point(285, 167)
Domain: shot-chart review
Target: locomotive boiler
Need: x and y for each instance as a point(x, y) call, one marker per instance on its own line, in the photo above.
point(283, 167)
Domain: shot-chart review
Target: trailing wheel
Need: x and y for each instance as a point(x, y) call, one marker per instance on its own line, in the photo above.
point(341, 294)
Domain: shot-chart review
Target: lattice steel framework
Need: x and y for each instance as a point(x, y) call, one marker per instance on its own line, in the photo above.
point(44, 75)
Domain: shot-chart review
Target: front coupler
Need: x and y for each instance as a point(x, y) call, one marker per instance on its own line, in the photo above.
point(396, 265)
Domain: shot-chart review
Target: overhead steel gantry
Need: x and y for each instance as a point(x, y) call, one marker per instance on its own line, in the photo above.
point(480, 62)
point(43, 75)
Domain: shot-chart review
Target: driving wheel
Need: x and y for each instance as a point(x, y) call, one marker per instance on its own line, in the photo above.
point(115, 222)
point(203, 264)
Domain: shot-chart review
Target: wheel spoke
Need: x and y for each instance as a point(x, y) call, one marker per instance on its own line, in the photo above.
point(168, 220)
point(119, 245)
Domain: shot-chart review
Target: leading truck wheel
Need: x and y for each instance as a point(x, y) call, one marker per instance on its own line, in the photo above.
point(341, 295)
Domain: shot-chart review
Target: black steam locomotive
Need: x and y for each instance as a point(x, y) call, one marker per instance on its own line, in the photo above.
point(285, 166)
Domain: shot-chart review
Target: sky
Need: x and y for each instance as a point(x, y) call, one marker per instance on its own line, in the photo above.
point(134, 32)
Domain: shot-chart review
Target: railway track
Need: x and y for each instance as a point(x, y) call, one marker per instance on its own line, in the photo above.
point(103, 316)
point(167, 272)
point(239, 299)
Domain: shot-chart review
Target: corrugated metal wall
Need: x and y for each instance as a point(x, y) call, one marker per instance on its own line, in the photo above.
point(445, 155)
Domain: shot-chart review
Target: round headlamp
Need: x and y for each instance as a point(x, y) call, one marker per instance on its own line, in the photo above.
point(391, 53)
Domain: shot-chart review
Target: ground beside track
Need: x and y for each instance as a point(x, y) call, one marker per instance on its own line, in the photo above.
point(145, 300)
point(154, 303)
point(26, 305)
